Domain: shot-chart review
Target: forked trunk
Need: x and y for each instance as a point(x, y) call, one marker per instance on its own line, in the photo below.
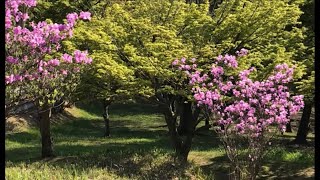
point(181, 140)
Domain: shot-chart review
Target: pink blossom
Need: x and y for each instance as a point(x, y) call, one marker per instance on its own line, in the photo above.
point(175, 62)
point(12, 60)
point(85, 15)
point(54, 62)
point(71, 18)
point(67, 58)
point(253, 105)
point(183, 60)
point(10, 79)
point(64, 72)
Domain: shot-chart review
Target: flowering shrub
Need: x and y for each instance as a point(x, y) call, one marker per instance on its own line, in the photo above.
point(249, 112)
point(35, 67)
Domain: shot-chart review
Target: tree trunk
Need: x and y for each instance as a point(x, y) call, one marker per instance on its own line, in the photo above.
point(207, 122)
point(186, 129)
point(46, 141)
point(106, 104)
point(182, 140)
point(288, 127)
point(301, 137)
point(171, 122)
point(235, 173)
point(186, 119)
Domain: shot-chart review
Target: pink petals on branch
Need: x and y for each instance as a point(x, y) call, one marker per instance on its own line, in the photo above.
point(82, 57)
point(72, 18)
point(252, 106)
point(67, 58)
point(12, 60)
point(54, 62)
point(85, 15)
point(29, 48)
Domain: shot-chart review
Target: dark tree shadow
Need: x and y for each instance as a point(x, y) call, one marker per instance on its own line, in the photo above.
point(127, 109)
point(131, 149)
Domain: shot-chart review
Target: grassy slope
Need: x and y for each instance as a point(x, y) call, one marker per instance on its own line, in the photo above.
point(137, 149)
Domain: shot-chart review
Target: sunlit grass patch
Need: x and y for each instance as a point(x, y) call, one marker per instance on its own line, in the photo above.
point(138, 148)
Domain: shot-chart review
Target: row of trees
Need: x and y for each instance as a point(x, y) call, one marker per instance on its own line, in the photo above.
point(133, 44)
point(135, 41)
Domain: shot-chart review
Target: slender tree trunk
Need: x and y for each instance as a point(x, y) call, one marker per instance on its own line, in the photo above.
point(207, 122)
point(46, 141)
point(303, 129)
point(171, 122)
point(106, 104)
point(235, 173)
point(288, 127)
point(6, 112)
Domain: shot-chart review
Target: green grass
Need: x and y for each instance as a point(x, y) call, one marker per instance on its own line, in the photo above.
point(138, 148)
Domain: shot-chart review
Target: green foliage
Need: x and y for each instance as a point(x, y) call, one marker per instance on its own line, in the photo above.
point(141, 38)
point(147, 36)
point(133, 50)
point(306, 85)
point(58, 9)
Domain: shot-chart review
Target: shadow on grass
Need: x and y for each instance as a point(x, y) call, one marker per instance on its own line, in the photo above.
point(129, 152)
point(287, 140)
point(275, 166)
point(95, 128)
point(129, 158)
point(120, 109)
point(23, 137)
point(124, 159)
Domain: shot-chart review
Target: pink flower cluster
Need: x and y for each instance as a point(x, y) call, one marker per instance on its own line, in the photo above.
point(247, 106)
point(26, 48)
point(242, 52)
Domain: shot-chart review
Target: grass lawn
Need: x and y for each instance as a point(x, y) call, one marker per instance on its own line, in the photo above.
point(138, 148)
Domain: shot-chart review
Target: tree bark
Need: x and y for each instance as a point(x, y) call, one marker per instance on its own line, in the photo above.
point(207, 122)
point(187, 129)
point(106, 104)
point(186, 119)
point(303, 129)
point(182, 136)
point(171, 122)
point(46, 140)
point(235, 174)
point(288, 127)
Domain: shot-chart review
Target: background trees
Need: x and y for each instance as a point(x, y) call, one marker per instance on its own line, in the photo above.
point(306, 84)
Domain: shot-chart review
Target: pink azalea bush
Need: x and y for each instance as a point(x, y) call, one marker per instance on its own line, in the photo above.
point(248, 111)
point(36, 66)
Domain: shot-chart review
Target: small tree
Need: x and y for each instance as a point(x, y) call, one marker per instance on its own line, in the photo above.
point(37, 69)
point(249, 112)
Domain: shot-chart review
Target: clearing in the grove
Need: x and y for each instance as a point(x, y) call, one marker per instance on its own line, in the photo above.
point(138, 148)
